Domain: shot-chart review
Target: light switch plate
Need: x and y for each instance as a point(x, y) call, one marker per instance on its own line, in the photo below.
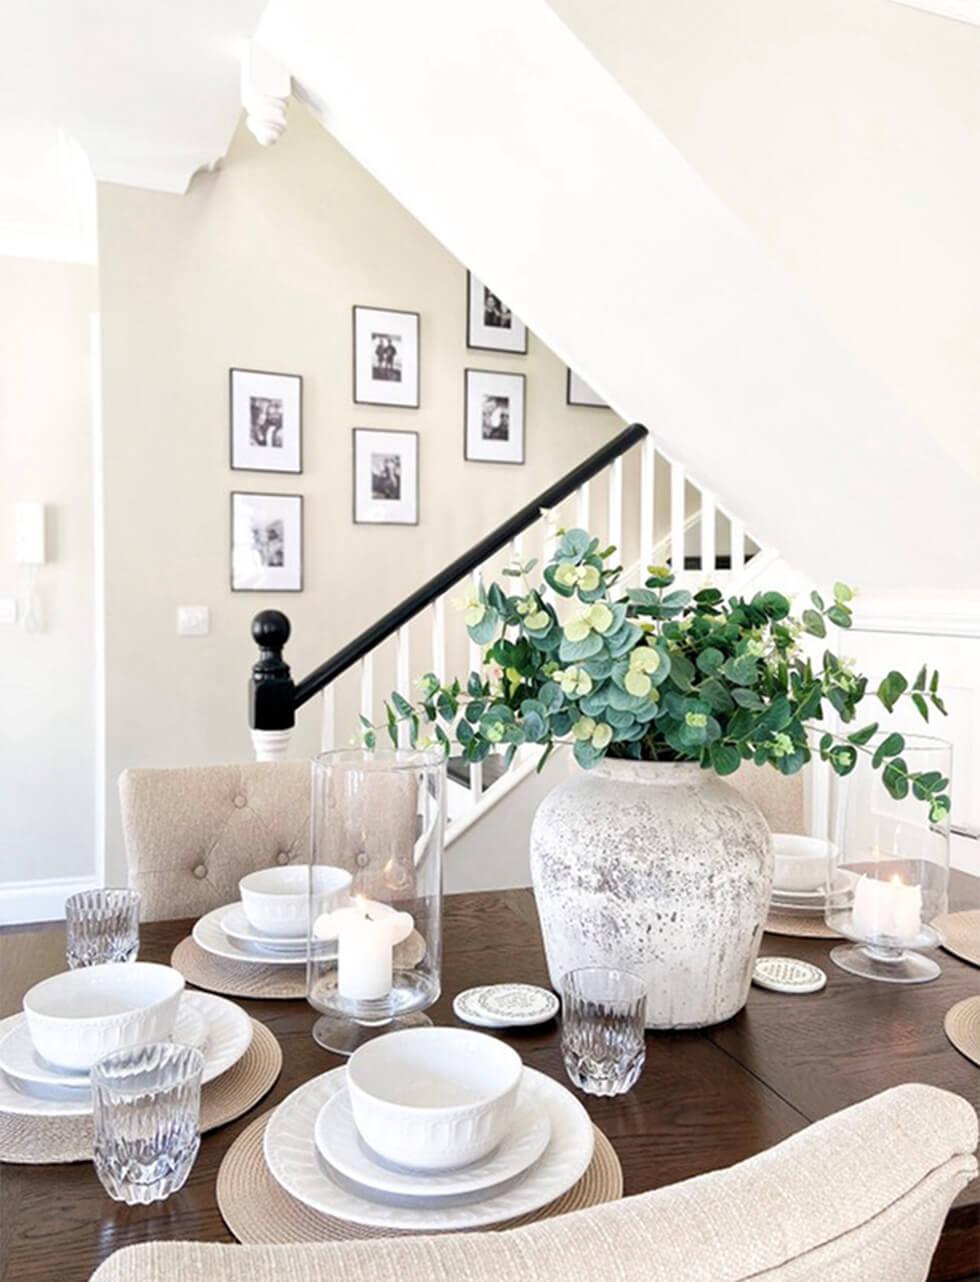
point(8, 609)
point(193, 621)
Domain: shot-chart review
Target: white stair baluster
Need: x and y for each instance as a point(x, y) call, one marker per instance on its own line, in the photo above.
point(328, 718)
point(648, 479)
point(403, 679)
point(677, 487)
point(616, 508)
point(708, 556)
point(476, 665)
point(737, 537)
point(583, 504)
point(439, 637)
point(367, 686)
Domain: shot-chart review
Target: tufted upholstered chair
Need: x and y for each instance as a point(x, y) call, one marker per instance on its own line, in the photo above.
point(858, 1197)
point(779, 797)
point(192, 834)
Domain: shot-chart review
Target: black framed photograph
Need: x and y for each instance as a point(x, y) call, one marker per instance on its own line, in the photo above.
point(493, 417)
point(490, 324)
point(386, 357)
point(266, 542)
point(386, 477)
point(578, 392)
point(265, 421)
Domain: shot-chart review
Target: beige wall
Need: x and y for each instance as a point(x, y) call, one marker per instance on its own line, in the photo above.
point(845, 133)
point(47, 740)
point(258, 266)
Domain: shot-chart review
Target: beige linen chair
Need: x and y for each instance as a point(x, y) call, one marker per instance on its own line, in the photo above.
point(779, 797)
point(860, 1196)
point(192, 834)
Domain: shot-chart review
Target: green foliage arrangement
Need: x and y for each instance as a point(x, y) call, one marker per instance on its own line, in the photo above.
point(658, 674)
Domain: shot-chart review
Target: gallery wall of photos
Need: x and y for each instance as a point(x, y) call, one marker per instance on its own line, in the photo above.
point(266, 432)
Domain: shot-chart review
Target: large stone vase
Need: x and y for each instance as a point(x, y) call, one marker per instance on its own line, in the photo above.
point(661, 869)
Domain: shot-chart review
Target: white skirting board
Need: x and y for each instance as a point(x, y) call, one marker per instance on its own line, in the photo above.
point(22, 902)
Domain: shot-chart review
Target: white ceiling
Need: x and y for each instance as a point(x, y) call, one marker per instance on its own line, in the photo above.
point(962, 10)
point(147, 89)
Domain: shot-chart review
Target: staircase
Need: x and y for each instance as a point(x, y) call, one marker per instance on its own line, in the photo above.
point(613, 493)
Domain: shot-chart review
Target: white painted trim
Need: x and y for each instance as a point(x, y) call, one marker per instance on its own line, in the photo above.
point(503, 786)
point(23, 902)
point(99, 761)
point(940, 615)
point(959, 10)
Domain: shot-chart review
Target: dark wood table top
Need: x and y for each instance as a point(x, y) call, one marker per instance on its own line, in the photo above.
point(705, 1100)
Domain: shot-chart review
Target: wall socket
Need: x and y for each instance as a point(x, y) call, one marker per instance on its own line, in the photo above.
point(193, 621)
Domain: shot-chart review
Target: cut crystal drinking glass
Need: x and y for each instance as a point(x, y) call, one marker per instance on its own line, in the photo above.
point(602, 1031)
point(147, 1107)
point(102, 926)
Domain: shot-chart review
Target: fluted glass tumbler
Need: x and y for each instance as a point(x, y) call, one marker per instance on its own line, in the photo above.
point(602, 1030)
point(102, 926)
point(147, 1107)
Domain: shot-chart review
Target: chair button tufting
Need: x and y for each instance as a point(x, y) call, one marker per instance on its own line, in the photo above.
point(239, 800)
point(200, 872)
point(363, 859)
point(282, 857)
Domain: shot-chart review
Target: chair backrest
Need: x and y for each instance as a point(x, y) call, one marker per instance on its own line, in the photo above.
point(779, 797)
point(861, 1195)
point(191, 834)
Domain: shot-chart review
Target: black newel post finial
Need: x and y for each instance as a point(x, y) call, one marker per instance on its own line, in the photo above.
point(271, 693)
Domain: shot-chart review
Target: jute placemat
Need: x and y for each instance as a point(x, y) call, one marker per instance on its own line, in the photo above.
point(959, 934)
point(248, 979)
point(258, 1210)
point(962, 1025)
point(40, 1140)
point(799, 926)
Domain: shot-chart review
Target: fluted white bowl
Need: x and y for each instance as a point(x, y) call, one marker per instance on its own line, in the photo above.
point(801, 863)
point(77, 1017)
point(276, 900)
point(433, 1098)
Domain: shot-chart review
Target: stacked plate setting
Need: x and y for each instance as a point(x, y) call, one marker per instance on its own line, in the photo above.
point(268, 925)
point(431, 1128)
point(800, 877)
point(70, 1020)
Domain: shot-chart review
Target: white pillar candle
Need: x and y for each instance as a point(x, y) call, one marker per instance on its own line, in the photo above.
point(887, 909)
point(366, 933)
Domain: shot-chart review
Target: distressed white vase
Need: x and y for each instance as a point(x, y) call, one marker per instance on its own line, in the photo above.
point(661, 869)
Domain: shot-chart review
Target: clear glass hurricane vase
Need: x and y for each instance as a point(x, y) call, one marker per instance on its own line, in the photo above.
point(375, 963)
point(888, 870)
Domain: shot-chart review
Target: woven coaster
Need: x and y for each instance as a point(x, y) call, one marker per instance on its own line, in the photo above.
point(962, 1025)
point(39, 1140)
point(258, 1210)
point(959, 934)
point(800, 927)
point(248, 979)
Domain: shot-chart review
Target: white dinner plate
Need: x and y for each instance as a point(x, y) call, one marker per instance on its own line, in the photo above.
point(229, 1037)
point(294, 1160)
point(19, 1059)
point(208, 935)
point(340, 1145)
point(239, 929)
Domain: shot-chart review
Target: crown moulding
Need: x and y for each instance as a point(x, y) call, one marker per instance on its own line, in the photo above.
point(266, 88)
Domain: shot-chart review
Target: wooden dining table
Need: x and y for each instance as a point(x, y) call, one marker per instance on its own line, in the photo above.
point(705, 1100)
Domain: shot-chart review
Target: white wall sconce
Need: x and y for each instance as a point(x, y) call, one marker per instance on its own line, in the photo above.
point(30, 551)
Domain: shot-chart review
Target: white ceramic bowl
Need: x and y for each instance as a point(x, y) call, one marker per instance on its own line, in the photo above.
point(801, 862)
point(433, 1098)
point(77, 1017)
point(275, 899)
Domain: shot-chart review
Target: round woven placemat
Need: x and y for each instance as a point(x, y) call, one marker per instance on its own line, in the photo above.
point(258, 1210)
point(962, 1025)
point(959, 934)
point(248, 979)
point(39, 1140)
point(799, 926)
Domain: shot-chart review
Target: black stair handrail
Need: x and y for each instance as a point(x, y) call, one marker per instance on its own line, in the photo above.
point(274, 696)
